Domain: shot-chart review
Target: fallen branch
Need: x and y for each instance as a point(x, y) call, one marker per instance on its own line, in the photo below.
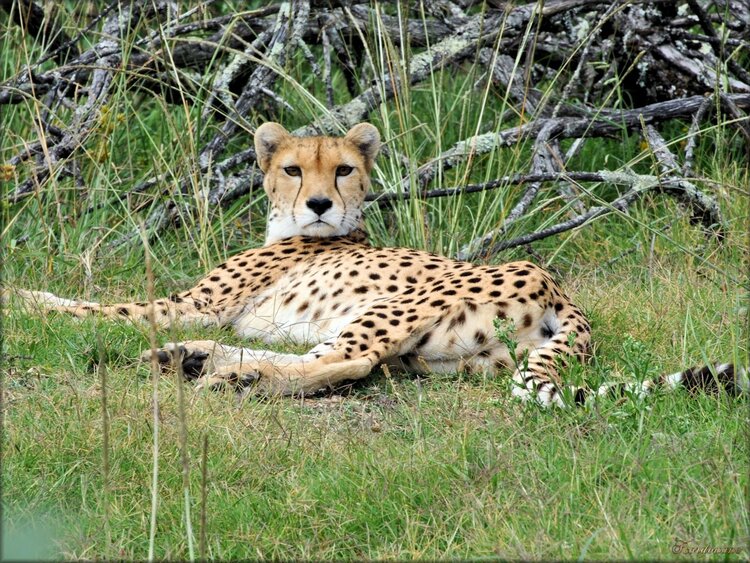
point(704, 209)
point(519, 47)
point(640, 185)
point(34, 21)
point(601, 124)
point(692, 136)
point(387, 199)
point(87, 114)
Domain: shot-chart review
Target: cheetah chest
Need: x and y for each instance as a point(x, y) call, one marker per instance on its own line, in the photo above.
point(302, 307)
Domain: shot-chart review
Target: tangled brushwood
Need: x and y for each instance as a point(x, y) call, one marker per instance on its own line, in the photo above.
point(669, 59)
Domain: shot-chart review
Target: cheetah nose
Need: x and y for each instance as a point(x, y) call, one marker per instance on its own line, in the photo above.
point(319, 204)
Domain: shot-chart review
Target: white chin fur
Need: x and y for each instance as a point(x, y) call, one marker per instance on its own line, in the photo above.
point(334, 225)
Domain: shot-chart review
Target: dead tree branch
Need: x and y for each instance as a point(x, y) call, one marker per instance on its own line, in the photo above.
point(602, 124)
point(704, 209)
point(640, 185)
point(666, 58)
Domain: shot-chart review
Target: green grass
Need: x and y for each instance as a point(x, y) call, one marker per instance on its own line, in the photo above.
point(399, 468)
point(429, 468)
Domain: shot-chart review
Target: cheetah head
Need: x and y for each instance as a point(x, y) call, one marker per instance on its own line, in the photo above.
point(316, 185)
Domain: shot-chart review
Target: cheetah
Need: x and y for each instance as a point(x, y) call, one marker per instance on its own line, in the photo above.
point(317, 281)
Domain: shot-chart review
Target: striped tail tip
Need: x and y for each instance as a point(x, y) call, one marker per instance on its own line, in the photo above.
point(734, 379)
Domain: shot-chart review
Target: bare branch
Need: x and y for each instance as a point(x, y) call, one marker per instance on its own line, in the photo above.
point(603, 124)
point(35, 22)
point(704, 209)
point(692, 136)
point(640, 185)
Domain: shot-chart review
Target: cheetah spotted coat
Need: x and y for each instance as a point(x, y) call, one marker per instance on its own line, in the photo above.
point(317, 281)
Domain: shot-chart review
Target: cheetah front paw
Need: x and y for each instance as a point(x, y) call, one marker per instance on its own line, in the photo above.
point(192, 357)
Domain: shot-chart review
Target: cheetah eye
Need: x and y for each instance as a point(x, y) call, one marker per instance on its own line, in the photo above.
point(344, 170)
point(293, 170)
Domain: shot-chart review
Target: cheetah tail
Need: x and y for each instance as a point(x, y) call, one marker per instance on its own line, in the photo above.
point(42, 301)
point(709, 378)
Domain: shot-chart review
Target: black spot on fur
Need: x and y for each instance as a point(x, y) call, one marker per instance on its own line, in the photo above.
point(425, 338)
point(547, 331)
point(459, 319)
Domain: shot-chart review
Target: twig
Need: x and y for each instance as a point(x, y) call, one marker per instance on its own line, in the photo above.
point(87, 115)
point(641, 184)
point(704, 209)
point(692, 136)
point(386, 199)
point(696, 69)
point(604, 123)
point(583, 58)
point(742, 121)
point(204, 497)
point(327, 77)
point(541, 163)
point(709, 30)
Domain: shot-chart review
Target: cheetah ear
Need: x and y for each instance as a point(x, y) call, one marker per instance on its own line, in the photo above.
point(367, 139)
point(268, 137)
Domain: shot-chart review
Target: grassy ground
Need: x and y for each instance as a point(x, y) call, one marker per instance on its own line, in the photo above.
point(397, 468)
point(436, 467)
